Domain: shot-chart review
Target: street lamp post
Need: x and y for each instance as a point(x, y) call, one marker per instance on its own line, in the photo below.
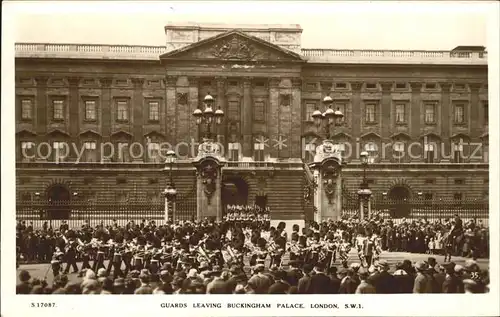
point(327, 118)
point(170, 192)
point(364, 191)
point(208, 116)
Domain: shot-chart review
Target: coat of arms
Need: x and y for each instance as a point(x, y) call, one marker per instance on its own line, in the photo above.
point(234, 48)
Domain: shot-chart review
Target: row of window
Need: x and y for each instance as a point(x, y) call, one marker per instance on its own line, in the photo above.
point(260, 153)
point(397, 86)
point(370, 116)
point(401, 112)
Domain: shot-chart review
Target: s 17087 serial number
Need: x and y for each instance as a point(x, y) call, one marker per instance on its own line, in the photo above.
point(43, 305)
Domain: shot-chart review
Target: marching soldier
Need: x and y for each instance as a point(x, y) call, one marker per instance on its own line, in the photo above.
point(56, 261)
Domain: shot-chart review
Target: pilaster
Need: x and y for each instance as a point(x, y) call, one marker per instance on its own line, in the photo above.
point(221, 104)
point(295, 135)
point(273, 115)
point(247, 117)
point(74, 119)
point(106, 107)
point(171, 105)
point(137, 107)
point(357, 112)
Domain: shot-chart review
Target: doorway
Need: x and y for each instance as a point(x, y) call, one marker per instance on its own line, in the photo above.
point(58, 204)
point(234, 191)
point(399, 199)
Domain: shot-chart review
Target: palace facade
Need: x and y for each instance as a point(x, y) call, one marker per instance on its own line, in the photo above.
point(94, 121)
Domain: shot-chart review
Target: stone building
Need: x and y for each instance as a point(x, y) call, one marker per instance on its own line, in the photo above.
point(421, 115)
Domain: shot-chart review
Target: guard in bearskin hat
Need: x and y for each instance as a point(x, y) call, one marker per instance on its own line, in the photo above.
point(56, 261)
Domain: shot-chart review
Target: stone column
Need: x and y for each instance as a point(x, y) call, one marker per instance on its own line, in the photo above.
point(475, 123)
point(296, 119)
point(385, 108)
point(221, 104)
point(170, 107)
point(247, 118)
point(185, 116)
point(273, 114)
point(369, 207)
point(357, 115)
point(444, 122)
point(106, 108)
point(74, 107)
point(361, 209)
point(138, 110)
point(41, 105)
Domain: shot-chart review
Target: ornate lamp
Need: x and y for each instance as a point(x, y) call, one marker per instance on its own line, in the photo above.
point(208, 115)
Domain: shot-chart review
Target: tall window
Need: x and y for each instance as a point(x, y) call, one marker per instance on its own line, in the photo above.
point(342, 107)
point(429, 152)
point(90, 151)
point(400, 113)
point(234, 151)
point(485, 112)
point(370, 113)
point(341, 148)
point(233, 110)
point(258, 151)
point(123, 152)
point(154, 152)
point(90, 110)
point(399, 149)
point(310, 151)
point(27, 150)
point(459, 113)
point(458, 150)
point(154, 111)
point(26, 109)
point(259, 111)
point(430, 113)
point(59, 150)
point(58, 109)
point(122, 110)
point(310, 107)
point(372, 150)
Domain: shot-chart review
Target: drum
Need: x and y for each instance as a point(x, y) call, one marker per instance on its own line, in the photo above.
point(117, 258)
point(138, 262)
point(154, 266)
point(100, 255)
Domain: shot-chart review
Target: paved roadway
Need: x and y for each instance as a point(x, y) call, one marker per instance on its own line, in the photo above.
point(41, 270)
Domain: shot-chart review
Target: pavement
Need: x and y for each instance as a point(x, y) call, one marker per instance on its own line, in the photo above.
point(43, 270)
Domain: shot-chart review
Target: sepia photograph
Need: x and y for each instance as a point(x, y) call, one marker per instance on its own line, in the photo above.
point(188, 152)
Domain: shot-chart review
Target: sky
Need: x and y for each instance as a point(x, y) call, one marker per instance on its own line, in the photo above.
point(354, 25)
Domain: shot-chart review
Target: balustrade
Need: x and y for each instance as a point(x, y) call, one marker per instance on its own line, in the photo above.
point(312, 55)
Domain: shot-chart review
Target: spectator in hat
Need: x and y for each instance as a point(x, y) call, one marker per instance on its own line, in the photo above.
point(107, 286)
point(423, 283)
point(451, 284)
point(384, 281)
point(347, 284)
point(470, 286)
point(364, 287)
point(334, 280)
point(73, 288)
point(119, 286)
point(24, 287)
point(438, 276)
point(293, 273)
point(402, 280)
point(320, 282)
point(217, 286)
point(259, 280)
point(280, 285)
point(305, 280)
point(144, 287)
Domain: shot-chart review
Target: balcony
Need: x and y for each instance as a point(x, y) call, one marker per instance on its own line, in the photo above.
point(137, 52)
point(395, 56)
